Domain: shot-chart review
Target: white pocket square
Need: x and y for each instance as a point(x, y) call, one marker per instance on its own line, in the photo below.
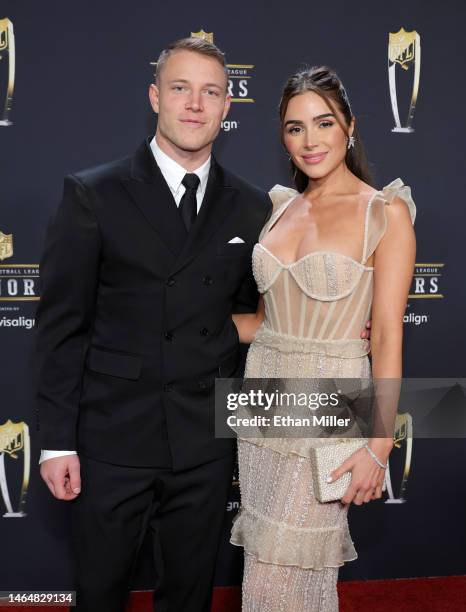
point(236, 240)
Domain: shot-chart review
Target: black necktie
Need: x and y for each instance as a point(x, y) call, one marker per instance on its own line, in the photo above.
point(188, 203)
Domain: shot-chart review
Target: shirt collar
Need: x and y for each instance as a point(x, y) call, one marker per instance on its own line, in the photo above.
point(173, 173)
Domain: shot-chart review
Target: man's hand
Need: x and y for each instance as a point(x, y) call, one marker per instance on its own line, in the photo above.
point(62, 476)
point(366, 332)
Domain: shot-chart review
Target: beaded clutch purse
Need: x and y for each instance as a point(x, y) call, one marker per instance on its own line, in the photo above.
point(326, 458)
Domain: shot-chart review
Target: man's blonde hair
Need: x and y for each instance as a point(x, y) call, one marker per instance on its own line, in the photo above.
point(194, 44)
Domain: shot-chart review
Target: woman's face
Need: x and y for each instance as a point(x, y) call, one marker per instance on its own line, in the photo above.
point(312, 135)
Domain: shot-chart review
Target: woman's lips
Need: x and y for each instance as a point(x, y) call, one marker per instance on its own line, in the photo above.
point(315, 158)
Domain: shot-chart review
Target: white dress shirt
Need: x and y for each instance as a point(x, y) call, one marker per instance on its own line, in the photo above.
point(173, 174)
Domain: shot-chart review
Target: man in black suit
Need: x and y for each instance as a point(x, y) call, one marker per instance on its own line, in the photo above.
point(145, 261)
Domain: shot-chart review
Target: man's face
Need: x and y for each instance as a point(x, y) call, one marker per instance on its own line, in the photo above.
point(191, 100)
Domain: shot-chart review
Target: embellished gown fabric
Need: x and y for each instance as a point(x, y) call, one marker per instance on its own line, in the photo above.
point(315, 309)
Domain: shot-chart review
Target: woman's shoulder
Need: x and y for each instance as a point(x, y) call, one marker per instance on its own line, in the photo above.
point(393, 206)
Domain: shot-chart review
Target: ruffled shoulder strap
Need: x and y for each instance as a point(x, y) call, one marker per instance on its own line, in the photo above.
point(397, 189)
point(376, 221)
point(279, 194)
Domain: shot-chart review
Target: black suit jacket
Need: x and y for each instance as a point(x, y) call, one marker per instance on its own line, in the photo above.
point(134, 321)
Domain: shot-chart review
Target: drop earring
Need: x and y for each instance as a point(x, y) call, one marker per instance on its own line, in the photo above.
point(351, 142)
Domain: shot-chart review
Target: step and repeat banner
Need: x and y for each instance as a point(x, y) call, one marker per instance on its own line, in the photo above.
point(73, 93)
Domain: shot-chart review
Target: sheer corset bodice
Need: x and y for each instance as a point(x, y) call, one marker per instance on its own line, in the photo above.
point(324, 296)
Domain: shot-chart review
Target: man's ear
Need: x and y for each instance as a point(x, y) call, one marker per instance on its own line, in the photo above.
point(226, 108)
point(154, 97)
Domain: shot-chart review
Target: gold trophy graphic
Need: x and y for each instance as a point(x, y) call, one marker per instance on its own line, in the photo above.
point(404, 49)
point(7, 58)
point(6, 245)
point(403, 436)
point(14, 437)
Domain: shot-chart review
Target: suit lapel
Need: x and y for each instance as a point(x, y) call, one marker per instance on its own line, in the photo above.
point(153, 197)
point(216, 206)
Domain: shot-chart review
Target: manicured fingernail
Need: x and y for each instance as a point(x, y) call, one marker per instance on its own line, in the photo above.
point(329, 479)
point(76, 490)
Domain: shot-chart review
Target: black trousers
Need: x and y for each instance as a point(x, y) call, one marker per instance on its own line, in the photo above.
point(184, 512)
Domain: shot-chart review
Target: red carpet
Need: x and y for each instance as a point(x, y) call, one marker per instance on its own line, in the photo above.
point(447, 594)
point(444, 594)
point(415, 595)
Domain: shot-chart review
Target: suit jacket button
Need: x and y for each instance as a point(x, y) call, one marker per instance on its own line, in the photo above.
point(170, 282)
point(204, 331)
point(207, 280)
point(169, 336)
point(167, 388)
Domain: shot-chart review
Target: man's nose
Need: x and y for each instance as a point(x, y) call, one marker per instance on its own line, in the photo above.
point(194, 102)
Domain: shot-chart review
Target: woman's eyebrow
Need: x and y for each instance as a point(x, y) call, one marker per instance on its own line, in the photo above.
point(296, 121)
point(324, 115)
point(316, 118)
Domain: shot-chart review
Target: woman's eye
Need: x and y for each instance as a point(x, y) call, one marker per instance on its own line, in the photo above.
point(325, 124)
point(294, 130)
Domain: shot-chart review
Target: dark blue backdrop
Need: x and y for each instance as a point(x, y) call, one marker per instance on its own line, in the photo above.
point(83, 71)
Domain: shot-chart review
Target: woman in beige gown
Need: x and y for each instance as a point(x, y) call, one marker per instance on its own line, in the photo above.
point(334, 253)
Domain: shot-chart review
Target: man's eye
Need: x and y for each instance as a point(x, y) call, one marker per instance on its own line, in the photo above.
point(178, 87)
point(212, 92)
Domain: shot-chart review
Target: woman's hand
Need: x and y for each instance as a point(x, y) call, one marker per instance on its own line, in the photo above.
point(366, 332)
point(366, 476)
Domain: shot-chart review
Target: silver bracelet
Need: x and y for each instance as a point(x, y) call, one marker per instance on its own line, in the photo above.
point(374, 456)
